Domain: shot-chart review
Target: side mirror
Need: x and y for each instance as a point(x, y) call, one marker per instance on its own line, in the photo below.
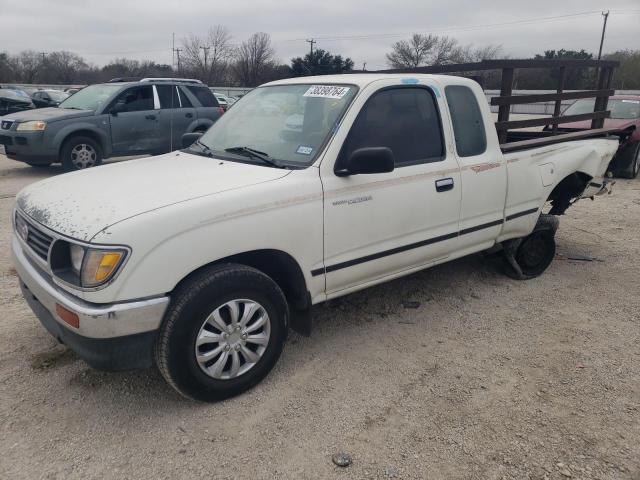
point(118, 108)
point(368, 160)
point(189, 138)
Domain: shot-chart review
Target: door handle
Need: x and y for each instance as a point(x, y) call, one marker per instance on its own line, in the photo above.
point(444, 184)
point(150, 117)
point(188, 115)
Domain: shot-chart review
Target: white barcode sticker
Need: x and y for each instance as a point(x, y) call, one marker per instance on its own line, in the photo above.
point(326, 91)
point(630, 101)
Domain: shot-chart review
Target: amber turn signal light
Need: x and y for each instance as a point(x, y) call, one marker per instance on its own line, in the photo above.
point(68, 316)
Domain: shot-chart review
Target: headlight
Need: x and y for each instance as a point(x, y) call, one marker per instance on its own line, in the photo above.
point(84, 266)
point(32, 126)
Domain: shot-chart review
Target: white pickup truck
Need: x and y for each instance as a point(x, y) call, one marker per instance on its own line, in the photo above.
point(306, 190)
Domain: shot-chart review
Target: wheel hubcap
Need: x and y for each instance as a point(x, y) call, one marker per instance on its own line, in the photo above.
point(83, 156)
point(232, 339)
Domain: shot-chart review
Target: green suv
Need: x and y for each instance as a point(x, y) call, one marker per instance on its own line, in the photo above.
point(118, 118)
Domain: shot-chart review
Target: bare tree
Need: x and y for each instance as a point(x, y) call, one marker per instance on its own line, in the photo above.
point(423, 50)
point(207, 58)
point(28, 63)
point(221, 52)
point(412, 53)
point(62, 67)
point(253, 58)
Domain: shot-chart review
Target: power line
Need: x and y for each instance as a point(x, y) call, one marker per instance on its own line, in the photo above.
point(462, 28)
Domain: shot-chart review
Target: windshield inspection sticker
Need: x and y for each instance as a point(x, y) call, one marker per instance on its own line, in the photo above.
point(326, 91)
point(304, 150)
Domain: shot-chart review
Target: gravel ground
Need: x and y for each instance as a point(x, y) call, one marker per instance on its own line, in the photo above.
point(486, 378)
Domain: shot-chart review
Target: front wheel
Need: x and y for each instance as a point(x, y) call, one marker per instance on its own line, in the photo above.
point(223, 332)
point(80, 152)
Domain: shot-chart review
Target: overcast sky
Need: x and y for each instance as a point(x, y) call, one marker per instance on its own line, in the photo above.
point(360, 29)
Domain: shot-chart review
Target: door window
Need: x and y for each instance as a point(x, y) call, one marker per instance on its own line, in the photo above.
point(184, 99)
point(406, 120)
point(136, 99)
point(168, 96)
point(468, 124)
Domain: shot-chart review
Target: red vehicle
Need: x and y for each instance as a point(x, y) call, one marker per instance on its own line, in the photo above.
point(625, 115)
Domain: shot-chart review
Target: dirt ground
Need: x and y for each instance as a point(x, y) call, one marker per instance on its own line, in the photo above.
point(488, 378)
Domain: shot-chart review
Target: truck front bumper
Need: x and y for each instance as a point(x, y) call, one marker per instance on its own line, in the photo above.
point(118, 336)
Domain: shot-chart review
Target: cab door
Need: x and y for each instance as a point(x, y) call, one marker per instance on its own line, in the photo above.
point(381, 225)
point(135, 121)
point(483, 169)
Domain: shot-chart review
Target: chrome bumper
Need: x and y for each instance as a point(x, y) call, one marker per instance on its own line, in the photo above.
point(96, 320)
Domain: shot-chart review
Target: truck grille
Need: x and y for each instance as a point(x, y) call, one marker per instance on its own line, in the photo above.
point(37, 240)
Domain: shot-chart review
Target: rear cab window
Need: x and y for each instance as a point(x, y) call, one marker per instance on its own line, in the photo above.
point(466, 117)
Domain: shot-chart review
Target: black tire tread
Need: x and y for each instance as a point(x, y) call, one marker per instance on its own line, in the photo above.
point(184, 294)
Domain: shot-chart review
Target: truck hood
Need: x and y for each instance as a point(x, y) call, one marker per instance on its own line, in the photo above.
point(49, 114)
point(81, 204)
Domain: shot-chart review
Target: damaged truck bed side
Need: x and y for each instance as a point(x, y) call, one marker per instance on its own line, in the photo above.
point(308, 189)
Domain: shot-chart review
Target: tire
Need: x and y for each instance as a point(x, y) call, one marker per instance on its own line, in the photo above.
point(631, 161)
point(79, 152)
point(534, 253)
point(188, 349)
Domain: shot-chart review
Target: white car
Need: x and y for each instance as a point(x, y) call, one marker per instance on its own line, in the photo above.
point(200, 260)
point(224, 101)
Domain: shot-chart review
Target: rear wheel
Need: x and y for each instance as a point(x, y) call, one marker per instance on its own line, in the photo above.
point(80, 152)
point(631, 161)
point(530, 256)
point(223, 333)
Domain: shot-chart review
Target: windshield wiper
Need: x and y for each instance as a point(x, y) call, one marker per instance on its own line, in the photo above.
point(250, 152)
point(205, 151)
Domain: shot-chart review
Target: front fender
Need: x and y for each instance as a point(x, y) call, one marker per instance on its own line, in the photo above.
point(101, 132)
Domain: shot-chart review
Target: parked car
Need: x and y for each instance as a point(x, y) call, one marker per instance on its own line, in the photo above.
point(110, 119)
point(201, 260)
point(48, 98)
point(625, 115)
point(224, 101)
point(12, 101)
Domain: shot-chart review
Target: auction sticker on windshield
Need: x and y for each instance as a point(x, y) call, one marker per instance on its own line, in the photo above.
point(326, 91)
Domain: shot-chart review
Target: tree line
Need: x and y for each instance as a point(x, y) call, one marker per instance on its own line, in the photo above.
point(216, 59)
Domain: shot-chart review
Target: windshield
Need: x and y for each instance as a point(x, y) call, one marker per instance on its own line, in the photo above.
point(92, 97)
point(58, 96)
point(288, 123)
point(620, 109)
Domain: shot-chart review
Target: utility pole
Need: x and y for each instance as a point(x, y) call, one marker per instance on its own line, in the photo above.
point(311, 41)
point(178, 50)
point(173, 51)
point(364, 67)
point(604, 28)
point(43, 56)
point(206, 51)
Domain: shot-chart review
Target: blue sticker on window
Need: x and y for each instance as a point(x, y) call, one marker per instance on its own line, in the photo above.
point(304, 150)
point(410, 80)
